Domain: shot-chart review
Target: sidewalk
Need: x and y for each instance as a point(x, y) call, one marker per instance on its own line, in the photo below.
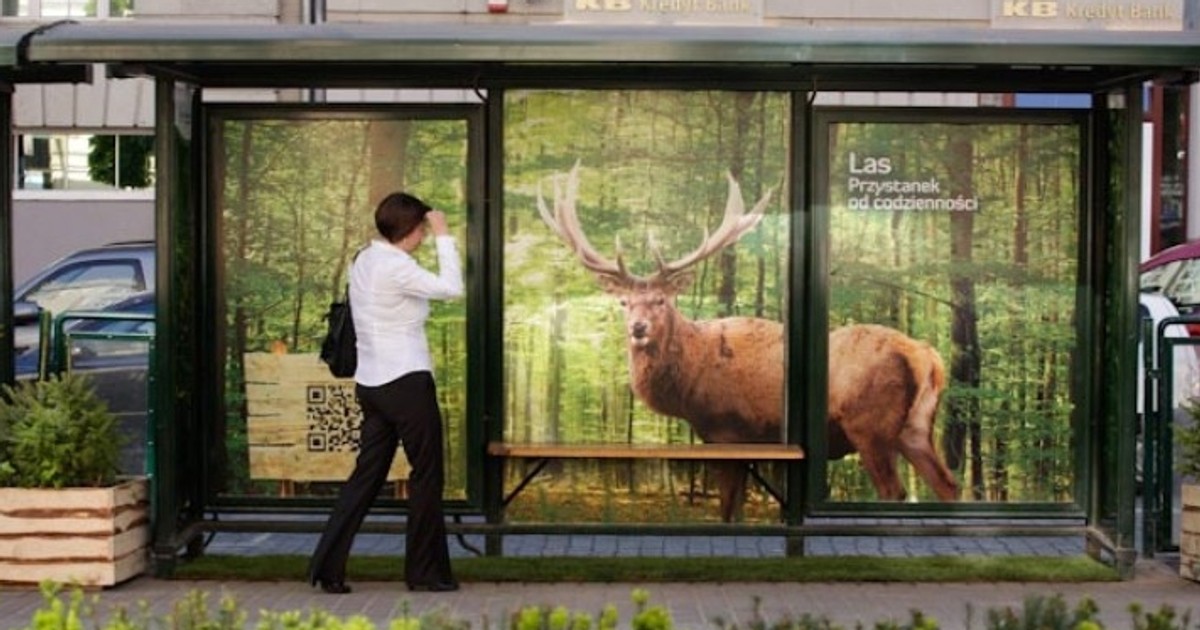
point(691, 605)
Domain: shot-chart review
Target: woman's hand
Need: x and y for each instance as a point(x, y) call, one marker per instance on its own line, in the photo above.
point(437, 222)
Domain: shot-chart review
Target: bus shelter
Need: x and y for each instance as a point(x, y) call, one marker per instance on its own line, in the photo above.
point(791, 279)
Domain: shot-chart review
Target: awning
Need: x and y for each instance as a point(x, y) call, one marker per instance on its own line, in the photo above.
point(475, 54)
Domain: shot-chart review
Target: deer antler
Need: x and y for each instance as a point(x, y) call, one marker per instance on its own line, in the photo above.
point(735, 223)
point(565, 223)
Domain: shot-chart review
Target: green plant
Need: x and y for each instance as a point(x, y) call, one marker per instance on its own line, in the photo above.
point(57, 433)
point(1187, 443)
point(1046, 613)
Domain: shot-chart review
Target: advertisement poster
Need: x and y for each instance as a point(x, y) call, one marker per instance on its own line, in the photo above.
point(289, 228)
point(645, 271)
point(953, 272)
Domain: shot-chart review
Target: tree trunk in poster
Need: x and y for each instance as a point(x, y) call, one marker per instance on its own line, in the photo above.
point(389, 153)
point(964, 334)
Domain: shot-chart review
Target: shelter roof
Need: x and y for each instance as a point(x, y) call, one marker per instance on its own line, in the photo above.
point(12, 42)
point(458, 54)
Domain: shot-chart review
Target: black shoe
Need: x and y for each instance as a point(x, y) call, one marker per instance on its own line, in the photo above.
point(334, 587)
point(436, 587)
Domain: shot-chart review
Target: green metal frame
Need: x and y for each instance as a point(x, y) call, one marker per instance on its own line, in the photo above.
point(1158, 481)
point(806, 348)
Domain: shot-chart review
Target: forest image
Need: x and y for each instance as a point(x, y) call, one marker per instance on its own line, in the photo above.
point(964, 236)
point(647, 176)
point(296, 198)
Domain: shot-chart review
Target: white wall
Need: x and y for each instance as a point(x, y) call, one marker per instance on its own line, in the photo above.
point(45, 230)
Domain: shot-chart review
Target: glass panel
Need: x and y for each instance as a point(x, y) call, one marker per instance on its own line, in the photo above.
point(117, 370)
point(291, 225)
point(613, 347)
point(14, 8)
point(1173, 157)
point(68, 8)
point(83, 162)
point(120, 8)
point(953, 274)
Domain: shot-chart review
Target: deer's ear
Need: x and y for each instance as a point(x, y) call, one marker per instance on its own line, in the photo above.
point(611, 285)
point(679, 281)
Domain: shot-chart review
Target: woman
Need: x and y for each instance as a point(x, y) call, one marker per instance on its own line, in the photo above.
point(389, 297)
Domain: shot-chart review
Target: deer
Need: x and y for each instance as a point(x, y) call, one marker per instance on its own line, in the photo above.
point(725, 377)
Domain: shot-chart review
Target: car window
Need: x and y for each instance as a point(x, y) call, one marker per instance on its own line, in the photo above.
point(1184, 288)
point(1157, 278)
point(87, 286)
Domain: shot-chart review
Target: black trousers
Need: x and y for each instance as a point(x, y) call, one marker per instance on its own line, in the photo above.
point(406, 411)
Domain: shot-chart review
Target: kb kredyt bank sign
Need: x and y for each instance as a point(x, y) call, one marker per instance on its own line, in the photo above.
point(1156, 15)
point(1142, 15)
point(716, 12)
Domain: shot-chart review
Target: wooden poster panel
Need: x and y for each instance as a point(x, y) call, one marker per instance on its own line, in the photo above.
point(302, 423)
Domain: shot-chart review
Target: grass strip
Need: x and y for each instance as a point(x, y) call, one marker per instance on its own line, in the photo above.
point(590, 569)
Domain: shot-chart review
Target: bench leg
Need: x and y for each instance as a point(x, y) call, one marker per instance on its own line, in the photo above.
point(525, 481)
point(762, 481)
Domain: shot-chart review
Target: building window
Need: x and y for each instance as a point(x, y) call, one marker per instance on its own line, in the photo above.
point(84, 162)
point(66, 8)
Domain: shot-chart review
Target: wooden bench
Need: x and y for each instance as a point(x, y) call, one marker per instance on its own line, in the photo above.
point(543, 453)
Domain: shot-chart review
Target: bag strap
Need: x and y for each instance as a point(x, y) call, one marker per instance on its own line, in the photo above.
point(346, 293)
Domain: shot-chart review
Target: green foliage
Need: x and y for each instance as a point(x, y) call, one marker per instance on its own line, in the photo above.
point(1162, 619)
point(74, 611)
point(57, 433)
point(647, 617)
point(1045, 613)
point(128, 156)
point(1187, 442)
point(193, 613)
point(554, 618)
point(57, 614)
point(807, 621)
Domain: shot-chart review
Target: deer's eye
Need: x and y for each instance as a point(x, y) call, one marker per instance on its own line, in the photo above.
point(623, 302)
point(659, 301)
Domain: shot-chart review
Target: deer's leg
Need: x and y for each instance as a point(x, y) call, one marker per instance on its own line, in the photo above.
point(880, 464)
point(918, 448)
point(731, 483)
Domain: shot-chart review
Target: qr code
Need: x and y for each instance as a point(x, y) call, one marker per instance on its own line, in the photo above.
point(334, 418)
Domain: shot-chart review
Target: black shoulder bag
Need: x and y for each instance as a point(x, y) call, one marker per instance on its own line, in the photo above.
point(338, 350)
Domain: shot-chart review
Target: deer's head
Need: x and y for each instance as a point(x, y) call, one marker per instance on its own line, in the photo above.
point(648, 301)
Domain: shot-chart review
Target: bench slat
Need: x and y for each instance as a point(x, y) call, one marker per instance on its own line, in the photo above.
point(760, 452)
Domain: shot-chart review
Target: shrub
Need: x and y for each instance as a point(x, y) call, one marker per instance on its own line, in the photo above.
point(74, 611)
point(1187, 443)
point(57, 433)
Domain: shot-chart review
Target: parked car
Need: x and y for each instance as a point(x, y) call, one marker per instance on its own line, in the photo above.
point(114, 353)
point(1175, 273)
point(89, 279)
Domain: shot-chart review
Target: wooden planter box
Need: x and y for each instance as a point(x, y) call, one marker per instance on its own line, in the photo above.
point(85, 536)
point(1189, 539)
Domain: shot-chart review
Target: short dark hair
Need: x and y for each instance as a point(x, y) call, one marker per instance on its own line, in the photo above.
point(398, 215)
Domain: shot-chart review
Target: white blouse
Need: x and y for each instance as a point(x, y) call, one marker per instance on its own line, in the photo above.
point(389, 298)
